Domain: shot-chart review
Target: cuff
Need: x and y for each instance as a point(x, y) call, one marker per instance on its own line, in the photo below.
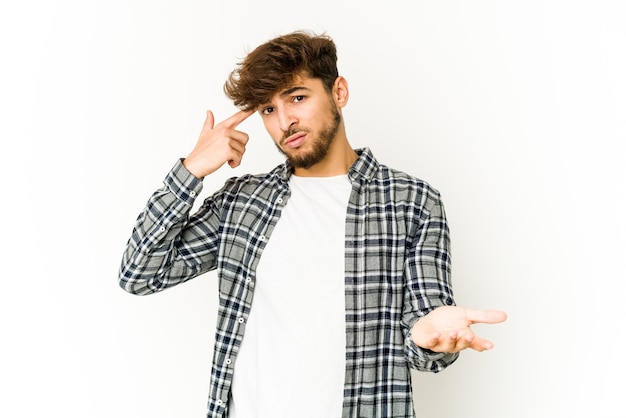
point(184, 185)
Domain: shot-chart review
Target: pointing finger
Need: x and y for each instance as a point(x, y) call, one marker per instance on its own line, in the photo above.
point(237, 118)
point(485, 316)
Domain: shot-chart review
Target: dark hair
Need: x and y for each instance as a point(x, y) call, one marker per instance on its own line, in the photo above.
point(276, 63)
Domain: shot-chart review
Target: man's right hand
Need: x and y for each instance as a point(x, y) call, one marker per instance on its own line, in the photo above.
point(218, 144)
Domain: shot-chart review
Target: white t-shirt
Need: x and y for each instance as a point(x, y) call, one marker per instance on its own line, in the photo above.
point(292, 359)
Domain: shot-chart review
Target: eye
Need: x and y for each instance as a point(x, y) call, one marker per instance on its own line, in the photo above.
point(297, 99)
point(267, 110)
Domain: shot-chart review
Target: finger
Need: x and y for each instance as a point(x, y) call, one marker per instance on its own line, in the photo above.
point(429, 341)
point(237, 151)
point(239, 137)
point(238, 147)
point(235, 161)
point(233, 121)
point(209, 121)
point(485, 316)
point(446, 343)
point(480, 344)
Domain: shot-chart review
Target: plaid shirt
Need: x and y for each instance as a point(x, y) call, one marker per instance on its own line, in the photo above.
point(397, 269)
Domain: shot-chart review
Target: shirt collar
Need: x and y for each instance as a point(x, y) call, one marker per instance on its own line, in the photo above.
point(364, 167)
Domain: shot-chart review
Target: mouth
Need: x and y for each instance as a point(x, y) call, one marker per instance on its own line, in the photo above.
point(295, 140)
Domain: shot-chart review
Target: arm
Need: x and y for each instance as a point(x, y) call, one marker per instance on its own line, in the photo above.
point(166, 247)
point(427, 281)
point(442, 330)
point(163, 249)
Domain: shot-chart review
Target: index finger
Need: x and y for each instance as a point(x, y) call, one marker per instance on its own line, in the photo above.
point(237, 118)
point(485, 316)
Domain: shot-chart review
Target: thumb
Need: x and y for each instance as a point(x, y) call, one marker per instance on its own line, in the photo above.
point(209, 121)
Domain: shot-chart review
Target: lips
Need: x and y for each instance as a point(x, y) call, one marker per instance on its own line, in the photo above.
point(295, 140)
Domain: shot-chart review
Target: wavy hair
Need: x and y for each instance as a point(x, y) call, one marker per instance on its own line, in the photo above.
point(275, 64)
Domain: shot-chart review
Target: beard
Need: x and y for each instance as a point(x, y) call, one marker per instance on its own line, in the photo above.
point(319, 146)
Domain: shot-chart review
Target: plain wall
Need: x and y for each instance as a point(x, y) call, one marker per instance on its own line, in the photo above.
point(513, 110)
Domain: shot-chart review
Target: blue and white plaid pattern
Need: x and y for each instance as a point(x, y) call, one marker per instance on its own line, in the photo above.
point(397, 266)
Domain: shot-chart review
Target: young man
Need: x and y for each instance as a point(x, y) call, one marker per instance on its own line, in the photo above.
point(333, 268)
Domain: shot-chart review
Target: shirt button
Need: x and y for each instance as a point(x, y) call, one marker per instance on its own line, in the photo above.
point(262, 238)
point(279, 200)
point(192, 193)
point(228, 361)
point(219, 402)
point(240, 320)
point(162, 229)
point(248, 280)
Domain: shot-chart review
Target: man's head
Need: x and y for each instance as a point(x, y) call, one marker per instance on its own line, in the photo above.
point(293, 82)
point(275, 64)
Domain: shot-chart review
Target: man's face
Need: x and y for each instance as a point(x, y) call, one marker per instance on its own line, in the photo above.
point(303, 121)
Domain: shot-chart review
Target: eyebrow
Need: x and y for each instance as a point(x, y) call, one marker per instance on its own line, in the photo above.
point(286, 93)
point(293, 89)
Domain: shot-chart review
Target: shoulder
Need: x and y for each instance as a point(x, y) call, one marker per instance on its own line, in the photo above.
point(385, 179)
point(404, 185)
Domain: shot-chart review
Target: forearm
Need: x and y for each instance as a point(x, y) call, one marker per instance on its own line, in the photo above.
point(428, 286)
point(160, 251)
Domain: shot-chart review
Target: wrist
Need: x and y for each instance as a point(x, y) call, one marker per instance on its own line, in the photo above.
point(193, 168)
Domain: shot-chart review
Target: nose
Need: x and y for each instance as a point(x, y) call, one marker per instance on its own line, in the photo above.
point(286, 119)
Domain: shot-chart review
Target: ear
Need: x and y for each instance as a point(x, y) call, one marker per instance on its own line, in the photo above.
point(341, 92)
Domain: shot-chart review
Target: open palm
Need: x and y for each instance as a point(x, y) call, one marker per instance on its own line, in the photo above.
point(448, 329)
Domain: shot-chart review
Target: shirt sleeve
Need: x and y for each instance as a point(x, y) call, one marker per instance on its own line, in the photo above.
point(427, 281)
point(166, 247)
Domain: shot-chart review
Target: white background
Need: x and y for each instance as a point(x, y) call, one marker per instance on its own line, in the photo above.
point(514, 110)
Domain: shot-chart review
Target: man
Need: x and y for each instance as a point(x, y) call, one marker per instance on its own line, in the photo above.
point(333, 268)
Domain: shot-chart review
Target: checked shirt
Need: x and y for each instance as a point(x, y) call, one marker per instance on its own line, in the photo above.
point(397, 269)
